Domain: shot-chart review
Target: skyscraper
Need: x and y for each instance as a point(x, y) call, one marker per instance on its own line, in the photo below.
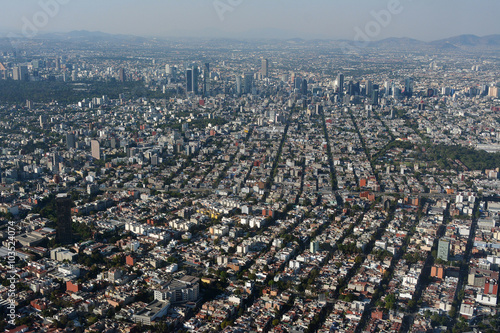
point(369, 87)
point(443, 251)
point(340, 82)
point(173, 71)
point(351, 88)
point(55, 163)
point(121, 75)
point(408, 87)
point(319, 109)
point(15, 74)
point(20, 73)
point(195, 79)
point(494, 92)
point(265, 68)
point(43, 120)
point(189, 80)
point(396, 91)
point(304, 87)
point(95, 148)
point(154, 160)
point(387, 88)
point(70, 140)
point(248, 83)
point(238, 84)
point(297, 83)
point(64, 234)
point(375, 94)
point(192, 79)
point(314, 246)
point(206, 80)
point(3, 72)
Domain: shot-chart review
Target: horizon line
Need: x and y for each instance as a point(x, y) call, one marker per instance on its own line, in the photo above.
point(11, 34)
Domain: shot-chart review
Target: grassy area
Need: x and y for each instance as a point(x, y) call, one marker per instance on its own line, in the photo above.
point(12, 92)
point(471, 158)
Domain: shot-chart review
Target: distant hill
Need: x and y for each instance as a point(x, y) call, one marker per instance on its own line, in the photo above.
point(444, 45)
point(95, 36)
point(469, 43)
point(398, 42)
point(463, 42)
point(472, 41)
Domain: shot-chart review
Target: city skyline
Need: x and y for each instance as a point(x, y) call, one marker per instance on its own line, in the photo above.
point(247, 166)
point(354, 20)
point(216, 185)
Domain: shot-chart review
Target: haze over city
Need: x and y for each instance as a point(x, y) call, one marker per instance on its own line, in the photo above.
point(420, 19)
point(244, 166)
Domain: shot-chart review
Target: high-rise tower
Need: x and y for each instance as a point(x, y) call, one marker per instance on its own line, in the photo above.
point(304, 87)
point(340, 82)
point(238, 85)
point(206, 80)
point(121, 75)
point(95, 148)
point(189, 80)
point(64, 234)
point(248, 83)
point(195, 79)
point(265, 68)
point(408, 87)
point(70, 140)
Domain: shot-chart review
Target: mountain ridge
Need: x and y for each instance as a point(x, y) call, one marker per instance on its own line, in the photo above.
point(466, 42)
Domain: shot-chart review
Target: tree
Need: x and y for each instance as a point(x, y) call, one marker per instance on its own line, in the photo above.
point(173, 260)
point(92, 320)
point(434, 254)
point(225, 324)
point(348, 297)
point(390, 302)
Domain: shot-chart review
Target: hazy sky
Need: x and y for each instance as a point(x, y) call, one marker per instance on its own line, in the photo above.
point(337, 19)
